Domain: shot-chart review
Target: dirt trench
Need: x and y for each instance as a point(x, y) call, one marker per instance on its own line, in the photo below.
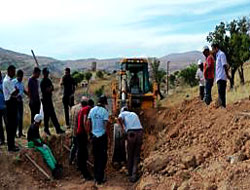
point(194, 146)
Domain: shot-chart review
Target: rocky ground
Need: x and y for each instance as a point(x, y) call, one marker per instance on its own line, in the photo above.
point(190, 146)
point(198, 147)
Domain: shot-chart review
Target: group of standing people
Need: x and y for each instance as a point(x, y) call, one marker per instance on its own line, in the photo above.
point(90, 125)
point(12, 92)
point(214, 68)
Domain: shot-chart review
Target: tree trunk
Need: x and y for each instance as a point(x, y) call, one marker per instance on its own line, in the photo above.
point(233, 71)
point(241, 74)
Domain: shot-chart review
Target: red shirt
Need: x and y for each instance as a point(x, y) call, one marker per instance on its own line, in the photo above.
point(209, 67)
point(81, 125)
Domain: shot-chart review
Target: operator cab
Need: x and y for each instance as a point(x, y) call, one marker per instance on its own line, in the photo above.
point(137, 75)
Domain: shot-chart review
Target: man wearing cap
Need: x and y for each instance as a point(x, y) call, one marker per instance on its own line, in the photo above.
point(132, 126)
point(221, 73)
point(10, 96)
point(98, 122)
point(208, 74)
point(200, 76)
point(35, 141)
point(49, 112)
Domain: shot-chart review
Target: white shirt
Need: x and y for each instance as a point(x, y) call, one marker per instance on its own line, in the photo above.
point(8, 87)
point(221, 61)
point(131, 120)
point(200, 76)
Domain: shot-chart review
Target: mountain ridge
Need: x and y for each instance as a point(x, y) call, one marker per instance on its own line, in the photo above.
point(26, 62)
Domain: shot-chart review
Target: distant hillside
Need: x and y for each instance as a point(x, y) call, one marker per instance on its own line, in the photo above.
point(26, 62)
point(181, 60)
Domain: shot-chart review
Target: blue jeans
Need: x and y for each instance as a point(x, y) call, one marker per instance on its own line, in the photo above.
point(208, 89)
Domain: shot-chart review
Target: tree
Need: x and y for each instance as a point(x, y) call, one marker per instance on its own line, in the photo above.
point(88, 76)
point(188, 75)
point(234, 40)
point(78, 76)
point(159, 75)
point(100, 74)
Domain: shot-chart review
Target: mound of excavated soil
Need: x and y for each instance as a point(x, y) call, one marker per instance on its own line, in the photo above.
point(195, 146)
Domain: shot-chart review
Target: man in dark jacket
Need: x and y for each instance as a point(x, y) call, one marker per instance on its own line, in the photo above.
point(33, 92)
point(68, 84)
point(49, 112)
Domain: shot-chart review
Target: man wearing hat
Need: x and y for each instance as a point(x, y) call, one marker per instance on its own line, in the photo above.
point(98, 120)
point(208, 74)
point(35, 141)
point(132, 126)
point(49, 112)
point(200, 77)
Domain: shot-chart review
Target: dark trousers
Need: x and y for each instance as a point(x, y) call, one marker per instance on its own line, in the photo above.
point(202, 92)
point(68, 101)
point(82, 154)
point(208, 90)
point(34, 109)
point(222, 85)
point(11, 111)
point(2, 118)
point(49, 113)
point(100, 146)
point(20, 117)
point(134, 150)
point(73, 150)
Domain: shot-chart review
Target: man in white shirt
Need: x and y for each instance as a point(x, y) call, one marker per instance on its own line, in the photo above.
point(132, 125)
point(10, 96)
point(221, 73)
point(200, 76)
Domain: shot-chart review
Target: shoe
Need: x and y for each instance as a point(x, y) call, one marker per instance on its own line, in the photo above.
point(47, 132)
point(14, 149)
point(133, 179)
point(60, 131)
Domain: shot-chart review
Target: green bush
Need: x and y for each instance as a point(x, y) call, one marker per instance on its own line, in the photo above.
point(78, 76)
point(188, 75)
point(100, 74)
point(88, 76)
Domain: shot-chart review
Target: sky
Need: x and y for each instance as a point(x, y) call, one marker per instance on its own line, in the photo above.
point(75, 29)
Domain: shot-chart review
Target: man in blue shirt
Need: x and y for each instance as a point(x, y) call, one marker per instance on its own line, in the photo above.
point(2, 112)
point(132, 126)
point(98, 120)
point(20, 86)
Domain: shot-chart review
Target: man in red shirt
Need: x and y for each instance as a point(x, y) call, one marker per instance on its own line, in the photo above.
point(82, 139)
point(208, 74)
